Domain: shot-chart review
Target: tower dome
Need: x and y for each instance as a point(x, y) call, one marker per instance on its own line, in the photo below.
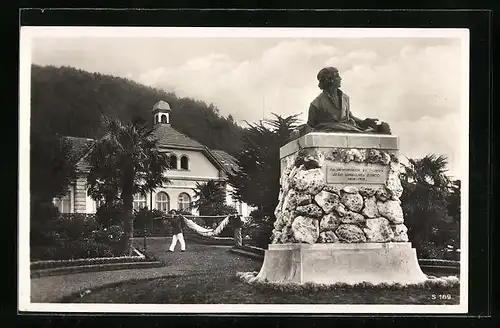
point(161, 105)
point(161, 112)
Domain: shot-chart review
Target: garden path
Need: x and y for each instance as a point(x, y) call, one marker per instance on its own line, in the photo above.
point(196, 260)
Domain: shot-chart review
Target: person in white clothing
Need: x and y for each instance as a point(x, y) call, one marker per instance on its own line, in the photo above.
point(177, 223)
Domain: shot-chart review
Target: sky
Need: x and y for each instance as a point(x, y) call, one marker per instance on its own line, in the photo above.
point(413, 83)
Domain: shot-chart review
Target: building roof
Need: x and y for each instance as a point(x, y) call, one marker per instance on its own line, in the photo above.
point(79, 147)
point(228, 162)
point(168, 136)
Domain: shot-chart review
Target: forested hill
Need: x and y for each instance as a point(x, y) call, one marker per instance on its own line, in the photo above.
point(70, 101)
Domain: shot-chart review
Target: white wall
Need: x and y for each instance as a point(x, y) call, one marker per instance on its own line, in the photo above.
point(173, 191)
point(200, 169)
point(91, 206)
point(71, 193)
point(199, 165)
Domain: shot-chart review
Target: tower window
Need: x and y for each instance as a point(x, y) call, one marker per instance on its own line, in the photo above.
point(164, 119)
point(184, 163)
point(173, 162)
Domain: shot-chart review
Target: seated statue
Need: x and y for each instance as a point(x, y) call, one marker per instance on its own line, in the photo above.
point(330, 110)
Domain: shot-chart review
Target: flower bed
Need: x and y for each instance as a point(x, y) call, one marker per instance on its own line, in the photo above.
point(78, 238)
point(437, 262)
point(432, 283)
point(40, 265)
point(51, 268)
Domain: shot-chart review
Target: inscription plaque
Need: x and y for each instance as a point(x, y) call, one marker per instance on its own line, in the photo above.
point(345, 173)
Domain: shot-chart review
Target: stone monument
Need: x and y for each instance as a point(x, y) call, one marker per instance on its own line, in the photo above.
point(339, 218)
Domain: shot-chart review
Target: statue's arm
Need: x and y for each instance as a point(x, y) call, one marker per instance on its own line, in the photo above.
point(354, 118)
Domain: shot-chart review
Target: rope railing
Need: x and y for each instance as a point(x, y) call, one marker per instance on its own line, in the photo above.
point(204, 231)
point(192, 216)
point(199, 229)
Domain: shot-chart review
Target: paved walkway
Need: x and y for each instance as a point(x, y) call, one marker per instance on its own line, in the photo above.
point(54, 288)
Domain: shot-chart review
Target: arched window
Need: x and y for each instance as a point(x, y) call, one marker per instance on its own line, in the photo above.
point(183, 202)
point(162, 201)
point(173, 162)
point(184, 163)
point(164, 119)
point(63, 203)
point(139, 202)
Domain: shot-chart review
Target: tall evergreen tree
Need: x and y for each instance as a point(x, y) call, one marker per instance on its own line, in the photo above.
point(257, 183)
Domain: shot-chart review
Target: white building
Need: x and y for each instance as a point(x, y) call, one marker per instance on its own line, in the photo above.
point(190, 162)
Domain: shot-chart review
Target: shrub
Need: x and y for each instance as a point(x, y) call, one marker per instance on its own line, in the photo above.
point(84, 248)
point(74, 226)
point(43, 215)
point(70, 236)
point(259, 227)
point(431, 250)
point(113, 236)
point(109, 214)
point(143, 218)
point(73, 249)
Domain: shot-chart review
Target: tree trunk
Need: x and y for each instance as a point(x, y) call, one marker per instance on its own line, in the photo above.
point(130, 229)
point(237, 237)
point(128, 219)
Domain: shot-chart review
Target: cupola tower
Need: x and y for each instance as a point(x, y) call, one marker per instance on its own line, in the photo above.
point(161, 113)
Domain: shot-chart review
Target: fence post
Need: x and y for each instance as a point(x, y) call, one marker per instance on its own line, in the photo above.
point(145, 245)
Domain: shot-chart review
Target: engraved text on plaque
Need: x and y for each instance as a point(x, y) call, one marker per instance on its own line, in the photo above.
point(345, 173)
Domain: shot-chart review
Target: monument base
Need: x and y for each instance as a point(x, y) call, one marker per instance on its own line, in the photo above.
point(342, 263)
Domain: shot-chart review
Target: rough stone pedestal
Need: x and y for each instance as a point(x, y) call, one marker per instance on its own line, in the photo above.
point(339, 218)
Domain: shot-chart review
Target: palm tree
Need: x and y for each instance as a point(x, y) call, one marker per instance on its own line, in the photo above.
point(425, 198)
point(429, 170)
point(210, 197)
point(123, 163)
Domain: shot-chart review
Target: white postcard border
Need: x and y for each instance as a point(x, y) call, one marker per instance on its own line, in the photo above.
point(29, 33)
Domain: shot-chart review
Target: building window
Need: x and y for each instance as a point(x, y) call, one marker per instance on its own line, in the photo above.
point(173, 162)
point(184, 163)
point(63, 204)
point(183, 202)
point(162, 202)
point(139, 202)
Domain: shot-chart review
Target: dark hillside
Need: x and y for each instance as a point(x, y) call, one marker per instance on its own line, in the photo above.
point(70, 101)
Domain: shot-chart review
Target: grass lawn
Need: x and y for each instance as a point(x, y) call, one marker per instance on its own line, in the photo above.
point(212, 280)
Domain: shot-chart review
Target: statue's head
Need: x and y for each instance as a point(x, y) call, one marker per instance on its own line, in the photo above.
point(328, 77)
